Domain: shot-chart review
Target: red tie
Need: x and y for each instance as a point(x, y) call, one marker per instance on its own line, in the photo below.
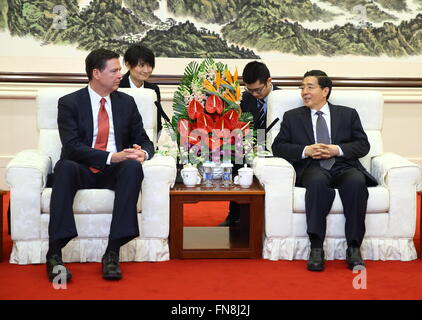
point(103, 130)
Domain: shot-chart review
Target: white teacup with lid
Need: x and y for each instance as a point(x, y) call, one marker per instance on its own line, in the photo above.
point(190, 176)
point(244, 177)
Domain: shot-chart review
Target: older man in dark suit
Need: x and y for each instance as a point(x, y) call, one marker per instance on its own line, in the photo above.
point(103, 146)
point(324, 143)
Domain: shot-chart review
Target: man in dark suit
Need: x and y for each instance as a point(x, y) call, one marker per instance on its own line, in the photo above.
point(140, 61)
point(103, 146)
point(258, 86)
point(324, 142)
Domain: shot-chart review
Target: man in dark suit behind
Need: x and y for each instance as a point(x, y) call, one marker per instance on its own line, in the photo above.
point(324, 142)
point(140, 61)
point(103, 146)
point(258, 86)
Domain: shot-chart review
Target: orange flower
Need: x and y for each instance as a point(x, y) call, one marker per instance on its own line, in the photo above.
point(228, 76)
point(207, 85)
point(238, 93)
point(218, 80)
point(228, 95)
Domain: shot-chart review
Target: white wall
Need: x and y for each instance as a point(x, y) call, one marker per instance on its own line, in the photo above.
point(401, 133)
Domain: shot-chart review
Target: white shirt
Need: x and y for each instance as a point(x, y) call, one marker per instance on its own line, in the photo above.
point(327, 117)
point(132, 85)
point(95, 105)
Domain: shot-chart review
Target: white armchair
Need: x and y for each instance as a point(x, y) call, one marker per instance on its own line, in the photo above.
point(391, 211)
point(26, 176)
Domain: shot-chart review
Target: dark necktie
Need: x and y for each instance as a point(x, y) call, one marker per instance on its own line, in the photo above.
point(322, 136)
point(261, 119)
point(103, 130)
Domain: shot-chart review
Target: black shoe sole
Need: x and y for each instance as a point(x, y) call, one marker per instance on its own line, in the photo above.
point(112, 277)
point(317, 269)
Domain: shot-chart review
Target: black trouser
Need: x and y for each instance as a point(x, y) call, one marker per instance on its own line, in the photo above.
point(319, 197)
point(125, 178)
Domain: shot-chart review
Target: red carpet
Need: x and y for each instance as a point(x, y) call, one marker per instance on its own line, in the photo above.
point(214, 279)
point(205, 214)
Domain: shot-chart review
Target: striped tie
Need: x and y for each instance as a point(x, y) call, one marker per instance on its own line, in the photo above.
point(261, 119)
point(323, 136)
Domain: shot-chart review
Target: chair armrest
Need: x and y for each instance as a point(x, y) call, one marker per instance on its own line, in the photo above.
point(26, 166)
point(402, 178)
point(278, 178)
point(264, 168)
point(391, 168)
point(159, 176)
point(26, 175)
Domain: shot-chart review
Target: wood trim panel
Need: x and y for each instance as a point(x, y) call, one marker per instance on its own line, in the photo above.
point(75, 78)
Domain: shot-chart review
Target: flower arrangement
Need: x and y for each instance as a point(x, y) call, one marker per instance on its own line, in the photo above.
point(208, 123)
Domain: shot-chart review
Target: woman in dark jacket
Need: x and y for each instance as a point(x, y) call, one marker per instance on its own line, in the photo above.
point(140, 61)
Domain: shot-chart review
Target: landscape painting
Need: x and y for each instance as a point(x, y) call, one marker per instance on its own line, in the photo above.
point(228, 29)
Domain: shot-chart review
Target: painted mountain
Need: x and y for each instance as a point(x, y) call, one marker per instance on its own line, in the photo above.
point(224, 29)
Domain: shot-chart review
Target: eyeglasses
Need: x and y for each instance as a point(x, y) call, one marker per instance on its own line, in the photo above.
point(309, 87)
point(257, 90)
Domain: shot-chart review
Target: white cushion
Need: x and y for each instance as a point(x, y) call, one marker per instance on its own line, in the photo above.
point(47, 103)
point(87, 201)
point(144, 99)
point(378, 201)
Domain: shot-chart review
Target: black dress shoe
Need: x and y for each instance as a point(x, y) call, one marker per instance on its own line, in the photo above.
point(111, 266)
point(229, 222)
point(354, 258)
point(316, 260)
point(55, 267)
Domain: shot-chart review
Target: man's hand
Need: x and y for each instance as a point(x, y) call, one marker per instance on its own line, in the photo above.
point(136, 153)
point(314, 151)
point(321, 151)
point(329, 151)
point(119, 156)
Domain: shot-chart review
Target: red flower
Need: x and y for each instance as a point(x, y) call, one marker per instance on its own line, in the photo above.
point(195, 109)
point(213, 104)
point(205, 121)
point(214, 142)
point(183, 126)
point(221, 123)
point(244, 126)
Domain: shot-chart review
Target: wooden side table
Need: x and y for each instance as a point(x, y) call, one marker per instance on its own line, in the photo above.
point(240, 241)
